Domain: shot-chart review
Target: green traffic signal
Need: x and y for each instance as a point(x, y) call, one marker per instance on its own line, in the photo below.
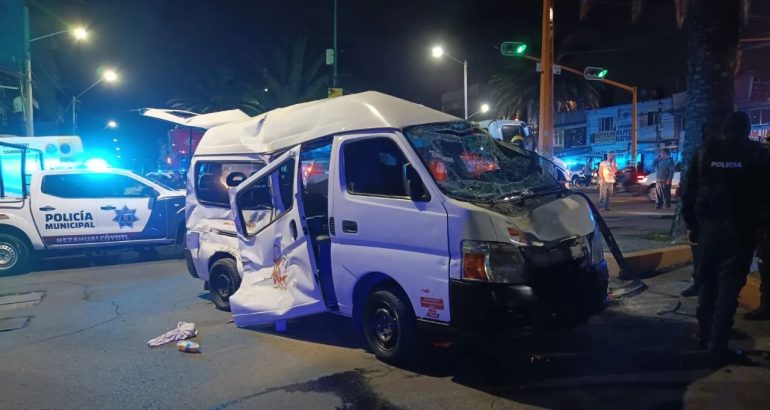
point(512, 48)
point(594, 73)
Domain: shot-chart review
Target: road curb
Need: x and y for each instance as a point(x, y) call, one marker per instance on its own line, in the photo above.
point(652, 262)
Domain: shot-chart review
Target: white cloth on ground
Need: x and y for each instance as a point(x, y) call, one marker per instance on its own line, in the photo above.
point(183, 331)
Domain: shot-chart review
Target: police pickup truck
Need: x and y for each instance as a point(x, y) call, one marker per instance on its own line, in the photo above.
point(81, 209)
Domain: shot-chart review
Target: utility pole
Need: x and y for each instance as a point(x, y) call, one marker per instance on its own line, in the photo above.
point(27, 92)
point(334, 73)
point(545, 123)
point(658, 126)
point(634, 120)
point(630, 88)
point(465, 86)
point(74, 115)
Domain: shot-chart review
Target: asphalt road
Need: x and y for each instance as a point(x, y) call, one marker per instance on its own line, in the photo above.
point(85, 347)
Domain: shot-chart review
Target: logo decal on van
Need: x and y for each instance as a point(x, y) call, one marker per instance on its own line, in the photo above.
point(432, 303)
point(279, 268)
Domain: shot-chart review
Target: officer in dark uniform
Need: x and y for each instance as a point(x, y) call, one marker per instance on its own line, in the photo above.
point(722, 205)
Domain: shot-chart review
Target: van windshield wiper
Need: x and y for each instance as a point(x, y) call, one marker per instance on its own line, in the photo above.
point(524, 197)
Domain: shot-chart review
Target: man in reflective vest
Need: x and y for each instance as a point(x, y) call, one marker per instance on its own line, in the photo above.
point(607, 170)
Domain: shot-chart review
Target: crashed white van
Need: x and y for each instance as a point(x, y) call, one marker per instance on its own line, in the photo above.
point(396, 215)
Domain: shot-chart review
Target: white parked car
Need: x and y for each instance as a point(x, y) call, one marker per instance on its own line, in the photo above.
point(649, 189)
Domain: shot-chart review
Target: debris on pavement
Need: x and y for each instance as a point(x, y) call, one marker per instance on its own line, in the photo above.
point(188, 346)
point(625, 288)
point(184, 330)
point(673, 310)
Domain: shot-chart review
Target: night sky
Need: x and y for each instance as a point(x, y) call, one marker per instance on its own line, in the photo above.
point(159, 45)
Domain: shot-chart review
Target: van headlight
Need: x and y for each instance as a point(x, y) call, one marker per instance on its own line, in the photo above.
point(493, 262)
point(597, 251)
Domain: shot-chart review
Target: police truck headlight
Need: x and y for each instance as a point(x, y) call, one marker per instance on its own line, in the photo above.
point(597, 251)
point(493, 262)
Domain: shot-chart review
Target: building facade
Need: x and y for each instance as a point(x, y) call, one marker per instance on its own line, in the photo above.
point(591, 134)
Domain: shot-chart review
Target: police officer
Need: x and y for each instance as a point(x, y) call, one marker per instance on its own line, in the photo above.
point(721, 207)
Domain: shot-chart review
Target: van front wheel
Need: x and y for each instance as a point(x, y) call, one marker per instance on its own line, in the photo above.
point(224, 280)
point(390, 327)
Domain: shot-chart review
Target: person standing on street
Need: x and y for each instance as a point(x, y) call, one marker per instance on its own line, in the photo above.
point(664, 176)
point(763, 254)
point(722, 207)
point(607, 170)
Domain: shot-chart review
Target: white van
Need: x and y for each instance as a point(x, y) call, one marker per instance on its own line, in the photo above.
point(398, 215)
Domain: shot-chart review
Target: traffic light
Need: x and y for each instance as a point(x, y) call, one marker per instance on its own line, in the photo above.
point(512, 48)
point(594, 73)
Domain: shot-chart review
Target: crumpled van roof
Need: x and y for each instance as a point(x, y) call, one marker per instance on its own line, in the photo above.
point(286, 127)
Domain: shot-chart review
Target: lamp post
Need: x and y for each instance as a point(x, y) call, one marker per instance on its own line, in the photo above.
point(482, 110)
point(79, 33)
point(109, 76)
point(438, 52)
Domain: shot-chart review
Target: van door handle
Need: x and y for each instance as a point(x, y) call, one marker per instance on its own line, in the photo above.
point(108, 208)
point(349, 226)
point(293, 228)
point(47, 208)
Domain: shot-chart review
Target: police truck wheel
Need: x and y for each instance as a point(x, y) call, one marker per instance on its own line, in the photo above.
point(390, 326)
point(224, 280)
point(14, 255)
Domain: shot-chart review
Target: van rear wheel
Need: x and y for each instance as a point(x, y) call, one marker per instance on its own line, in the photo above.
point(224, 280)
point(390, 326)
point(14, 255)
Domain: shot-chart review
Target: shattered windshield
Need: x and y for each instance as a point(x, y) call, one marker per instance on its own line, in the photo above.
point(470, 165)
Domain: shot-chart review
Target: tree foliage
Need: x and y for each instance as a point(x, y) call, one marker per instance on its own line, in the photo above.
point(287, 74)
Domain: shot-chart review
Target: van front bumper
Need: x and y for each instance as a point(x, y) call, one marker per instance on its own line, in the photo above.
point(563, 295)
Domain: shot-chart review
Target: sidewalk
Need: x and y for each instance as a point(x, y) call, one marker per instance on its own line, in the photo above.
point(641, 232)
point(635, 222)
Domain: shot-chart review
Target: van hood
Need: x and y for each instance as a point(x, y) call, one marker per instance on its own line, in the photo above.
point(544, 220)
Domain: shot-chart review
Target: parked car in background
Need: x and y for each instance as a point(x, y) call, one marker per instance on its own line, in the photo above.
point(627, 179)
point(647, 185)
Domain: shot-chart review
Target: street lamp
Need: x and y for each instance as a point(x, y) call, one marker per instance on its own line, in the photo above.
point(482, 110)
point(79, 33)
point(438, 52)
point(109, 76)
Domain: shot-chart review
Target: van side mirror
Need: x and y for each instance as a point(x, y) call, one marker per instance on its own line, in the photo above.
point(235, 178)
point(413, 185)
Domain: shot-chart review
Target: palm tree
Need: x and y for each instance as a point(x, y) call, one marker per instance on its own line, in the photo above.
point(292, 74)
point(516, 90)
point(289, 74)
point(215, 90)
point(713, 28)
